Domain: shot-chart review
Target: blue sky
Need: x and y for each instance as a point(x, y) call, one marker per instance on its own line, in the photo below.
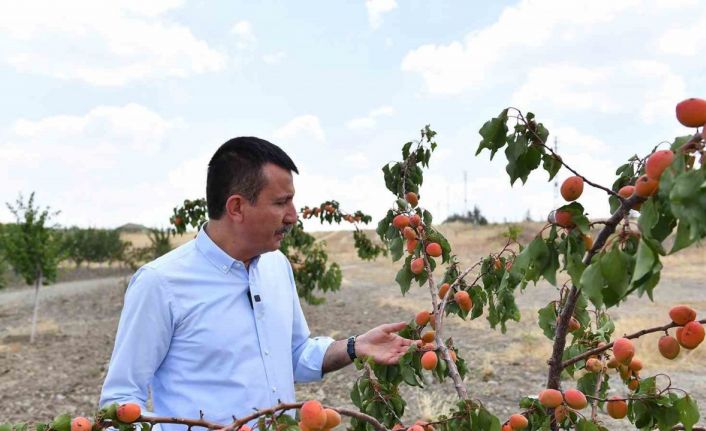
point(111, 110)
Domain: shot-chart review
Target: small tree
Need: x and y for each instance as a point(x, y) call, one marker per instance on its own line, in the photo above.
point(31, 247)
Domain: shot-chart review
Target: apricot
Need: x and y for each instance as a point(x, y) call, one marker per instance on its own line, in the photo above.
point(497, 264)
point(429, 360)
point(612, 363)
point(434, 249)
point(658, 162)
point(425, 425)
point(464, 301)
point(415, 428)
point(623, 350)
point(518, 422)
point(634, 384)
point(625, 372)
point(668, 346)
point(682, 314)
point(692, 112)
point(691, 335)
point(550, 398)
point(422, 318)
point(443, 289)
point(428, 337)
point(572, 188)
point(415, 220)
point(452, 354)
point(593, 365)
point(400, 221)
point(417, 266)
point(645, 186)
point(575, 399)
point(563, 219)
point(617, 408)
point(128, 413)
point(626, 191)
point(409, 234)
point(412, 198)
point(574, 324)
point(635, 364)
point(587, 242)
point(506, 427)
point(80, 423)
point(333, 418)
point(303, 426)
point(245, 427)
point(411, 245)
point(312, 415)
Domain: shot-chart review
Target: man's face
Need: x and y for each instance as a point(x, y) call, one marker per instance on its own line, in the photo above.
point(266, 221)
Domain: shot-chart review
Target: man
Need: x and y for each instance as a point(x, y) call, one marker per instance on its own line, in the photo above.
point(216, 325)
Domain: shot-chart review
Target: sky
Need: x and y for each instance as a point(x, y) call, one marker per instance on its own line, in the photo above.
point(111, 110)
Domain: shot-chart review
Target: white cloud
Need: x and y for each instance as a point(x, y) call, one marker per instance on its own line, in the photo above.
point(377, 8)
point(604, 89)
point(369, 121)
point(246, 37)
point(357, 160)
point(92, 167)
point(305, 127)
point(103, 43)
point(274, 58)
point(686, 39)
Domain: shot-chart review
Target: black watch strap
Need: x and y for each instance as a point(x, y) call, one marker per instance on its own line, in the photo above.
point(351, 347)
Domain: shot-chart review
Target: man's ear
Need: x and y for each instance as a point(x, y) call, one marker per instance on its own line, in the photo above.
point(235, 207)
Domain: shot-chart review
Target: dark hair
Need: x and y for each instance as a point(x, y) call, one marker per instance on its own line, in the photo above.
point(236, 167)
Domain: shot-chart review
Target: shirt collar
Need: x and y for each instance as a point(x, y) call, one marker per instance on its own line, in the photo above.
point(219, 258)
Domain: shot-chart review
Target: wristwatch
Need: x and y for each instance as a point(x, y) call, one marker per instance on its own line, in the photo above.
point(351, 347)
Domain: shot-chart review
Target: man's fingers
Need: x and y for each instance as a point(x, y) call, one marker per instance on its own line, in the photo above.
point(393, 327)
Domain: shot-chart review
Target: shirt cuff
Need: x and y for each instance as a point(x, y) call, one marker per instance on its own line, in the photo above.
point(309, 367)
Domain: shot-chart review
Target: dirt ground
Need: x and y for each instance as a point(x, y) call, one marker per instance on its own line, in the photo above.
point(63, 371)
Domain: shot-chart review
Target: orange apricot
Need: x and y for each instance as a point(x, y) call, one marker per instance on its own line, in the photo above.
point(80, 423)
point(668, 346)
point(429, 360)
point(572, 188)
point(428, 337)
point(417, 266)
point(691, 335)
point(443, 289)
point(333, 418)
point(617, 408)
point(409, 233)
point(400, 221)
point(550, 398)
point(128, 412)
point(635, 364)
point(411, 245)
point(682, 314)
point(658, 162)
point(692, 112)
point(575, 399)
point(623, 350)
point(593, 365)
point(464, 301)
point(563, 219)
point(422, 318)
point(312, 414)
point(412, 198)
point(415, 220)
point(646, 186)
point(518, 422)
point(434, 249)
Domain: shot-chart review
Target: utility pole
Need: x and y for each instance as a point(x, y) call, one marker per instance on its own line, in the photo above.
point(556, 181)
point(465, 193)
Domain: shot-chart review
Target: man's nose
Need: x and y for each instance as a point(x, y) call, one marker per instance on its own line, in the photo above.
point(291, 215)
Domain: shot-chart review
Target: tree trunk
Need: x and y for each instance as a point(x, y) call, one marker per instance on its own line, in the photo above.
point(37, 285)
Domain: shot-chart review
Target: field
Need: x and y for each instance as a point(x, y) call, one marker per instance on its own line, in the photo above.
point(63, 371)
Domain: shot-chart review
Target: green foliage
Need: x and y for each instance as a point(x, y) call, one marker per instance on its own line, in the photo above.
point(30, 246)
point(93, 245)
point(472, 217)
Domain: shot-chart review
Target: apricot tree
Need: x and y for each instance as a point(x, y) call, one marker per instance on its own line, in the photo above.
point(592, 273)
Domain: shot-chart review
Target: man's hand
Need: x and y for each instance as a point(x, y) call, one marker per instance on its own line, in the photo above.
point(383, 344)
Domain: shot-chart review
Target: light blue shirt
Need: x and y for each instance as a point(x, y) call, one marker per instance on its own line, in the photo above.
point(188, 330)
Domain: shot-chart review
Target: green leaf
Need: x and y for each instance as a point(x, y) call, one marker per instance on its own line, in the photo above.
point(404, 276)
point(646, 260)
point(688, 412)
point(493, 133)
point(396, 248)
point(592, 283)
point(547, 320)
point(551, 164)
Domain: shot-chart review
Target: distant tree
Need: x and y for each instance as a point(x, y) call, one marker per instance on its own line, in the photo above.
point(472, 217)
point(528, 216)
point(93, 245)
point(32, 247)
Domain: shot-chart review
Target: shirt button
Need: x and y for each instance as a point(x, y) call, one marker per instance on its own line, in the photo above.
point(274, 389)
point(267, 352)
point(224, 267)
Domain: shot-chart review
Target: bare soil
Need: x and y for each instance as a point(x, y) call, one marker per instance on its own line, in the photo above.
point(64, 369)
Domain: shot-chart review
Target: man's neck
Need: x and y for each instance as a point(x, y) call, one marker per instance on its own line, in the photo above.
point(228, 241)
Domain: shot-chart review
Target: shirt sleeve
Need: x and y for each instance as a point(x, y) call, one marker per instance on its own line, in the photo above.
point(142, 340)
point(307, 353)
